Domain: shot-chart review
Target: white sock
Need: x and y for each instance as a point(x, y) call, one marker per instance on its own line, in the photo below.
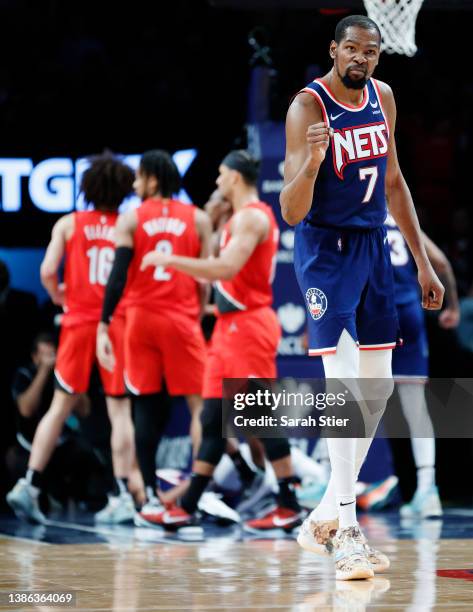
point(425, 477)
point(414, 407)
point(342, 458)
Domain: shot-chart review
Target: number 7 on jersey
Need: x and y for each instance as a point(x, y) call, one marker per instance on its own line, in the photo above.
point(372, 173)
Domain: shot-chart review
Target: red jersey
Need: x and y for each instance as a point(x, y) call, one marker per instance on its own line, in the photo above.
point(251, 287)
point(90, 252)
point(170, 227)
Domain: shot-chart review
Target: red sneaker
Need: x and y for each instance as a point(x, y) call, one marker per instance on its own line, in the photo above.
point(170, 517)
point(279, 518)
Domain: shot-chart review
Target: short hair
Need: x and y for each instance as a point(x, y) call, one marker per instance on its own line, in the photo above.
point(159, 163)
point(358, 21)
point(107, 181)
point(244, 163)
point(43, 337)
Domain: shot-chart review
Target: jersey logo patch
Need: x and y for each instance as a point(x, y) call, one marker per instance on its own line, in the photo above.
point(316, 303)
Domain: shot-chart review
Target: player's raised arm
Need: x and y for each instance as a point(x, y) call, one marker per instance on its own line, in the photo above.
point(62, 231)
point(307, 140)
point(404, 213)
point(249, 228)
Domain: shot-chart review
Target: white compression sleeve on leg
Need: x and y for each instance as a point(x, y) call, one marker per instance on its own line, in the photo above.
point(341, 488)
point(414, 407)
point(375, 365)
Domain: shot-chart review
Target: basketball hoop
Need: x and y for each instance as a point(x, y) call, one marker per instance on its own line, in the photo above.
point(397, 21)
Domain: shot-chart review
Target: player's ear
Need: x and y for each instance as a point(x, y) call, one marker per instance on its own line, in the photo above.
point(333, 49)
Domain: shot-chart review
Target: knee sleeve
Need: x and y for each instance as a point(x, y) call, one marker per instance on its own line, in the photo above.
point(213, 443)
point(276, 448)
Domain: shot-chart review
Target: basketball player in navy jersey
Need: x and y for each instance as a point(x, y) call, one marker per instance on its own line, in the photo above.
point(340, 165)
point(411, 361)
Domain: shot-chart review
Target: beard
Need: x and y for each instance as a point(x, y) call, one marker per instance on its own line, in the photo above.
point(352, 83)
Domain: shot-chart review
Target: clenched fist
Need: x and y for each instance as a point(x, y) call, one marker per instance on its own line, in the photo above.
point(318, 139)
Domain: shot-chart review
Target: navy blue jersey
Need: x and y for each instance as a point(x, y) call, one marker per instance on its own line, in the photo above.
point(406, 286)
point(350, 187)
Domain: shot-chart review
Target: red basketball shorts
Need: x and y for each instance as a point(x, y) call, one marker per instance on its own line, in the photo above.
point(76, 356)
point(163, 345)
point(243, 345)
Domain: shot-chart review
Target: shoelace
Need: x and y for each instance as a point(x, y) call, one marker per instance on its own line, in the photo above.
point(353, 552)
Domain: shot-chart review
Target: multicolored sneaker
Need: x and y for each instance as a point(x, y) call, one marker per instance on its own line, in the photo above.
point(317, 537)
point(278, 519)
point(120, 509)
point(424, 504)
point(351, 560)
point(146, 517)
point(173, 517)
point(378, 495)
point(23, 500)
point(378, 560)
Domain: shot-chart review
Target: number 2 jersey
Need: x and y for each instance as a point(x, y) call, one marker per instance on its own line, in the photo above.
point(89, 256)
point(350, 187)
point(168, 226)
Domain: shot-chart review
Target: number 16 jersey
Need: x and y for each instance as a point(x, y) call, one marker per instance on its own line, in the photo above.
point(90, 252)
point(350, 187)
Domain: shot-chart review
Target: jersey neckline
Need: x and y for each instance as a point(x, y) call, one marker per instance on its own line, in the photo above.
point(348, 107)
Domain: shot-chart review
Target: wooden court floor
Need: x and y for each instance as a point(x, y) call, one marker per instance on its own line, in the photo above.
point(224, 574)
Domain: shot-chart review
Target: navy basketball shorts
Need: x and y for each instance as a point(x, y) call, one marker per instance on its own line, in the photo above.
point(346, 278)
point(411, 360)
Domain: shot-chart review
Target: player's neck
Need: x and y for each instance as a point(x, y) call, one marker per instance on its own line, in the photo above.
point(157, 197)
point(343, 94)
point(242, 199)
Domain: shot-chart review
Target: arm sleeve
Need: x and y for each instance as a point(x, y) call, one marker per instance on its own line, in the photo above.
point(116, 282)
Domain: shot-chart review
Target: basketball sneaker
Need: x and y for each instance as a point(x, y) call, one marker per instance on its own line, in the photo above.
point(351, 560)
point(317, 537)
point(119, 509)
point(378, 495)
point(278, 519)
point(146, 517)
point(23, 500)
point(172, 518)
point(211, 504)
point(424, 504)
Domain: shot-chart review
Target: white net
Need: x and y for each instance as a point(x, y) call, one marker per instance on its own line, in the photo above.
point(397, 21)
